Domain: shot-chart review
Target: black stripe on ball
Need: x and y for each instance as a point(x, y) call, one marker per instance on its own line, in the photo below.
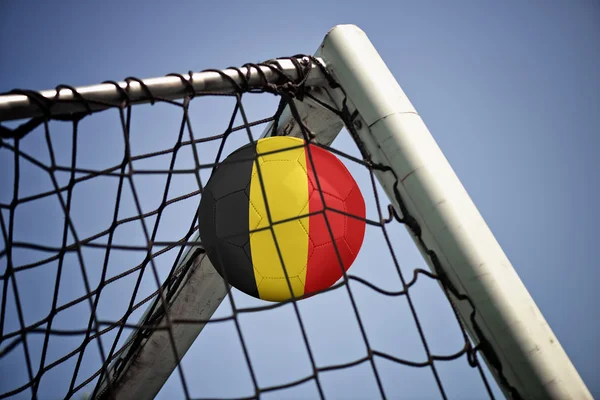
point(224, 219)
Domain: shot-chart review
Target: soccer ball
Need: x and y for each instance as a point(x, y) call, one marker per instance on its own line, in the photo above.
point(262, 215)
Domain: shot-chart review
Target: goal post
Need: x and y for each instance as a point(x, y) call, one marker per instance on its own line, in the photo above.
point(351, 87)
point(515, 339)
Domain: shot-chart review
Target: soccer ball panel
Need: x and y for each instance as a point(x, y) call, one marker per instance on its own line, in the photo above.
point(324, 268)
point(231, 213)
point(286, 190)
point(233, 174)
point(292, 241)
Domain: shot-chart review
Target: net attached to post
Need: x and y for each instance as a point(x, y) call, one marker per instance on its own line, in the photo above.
point(97, 209)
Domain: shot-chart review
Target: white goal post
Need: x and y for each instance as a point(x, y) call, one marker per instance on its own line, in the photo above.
point(534, 364)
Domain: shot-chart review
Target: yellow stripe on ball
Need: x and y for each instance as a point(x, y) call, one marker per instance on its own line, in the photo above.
point(285, 181)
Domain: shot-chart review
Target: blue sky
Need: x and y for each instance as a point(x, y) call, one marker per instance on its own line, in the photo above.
point(510, 91)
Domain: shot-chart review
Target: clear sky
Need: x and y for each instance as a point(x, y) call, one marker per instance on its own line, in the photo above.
point(510, 90)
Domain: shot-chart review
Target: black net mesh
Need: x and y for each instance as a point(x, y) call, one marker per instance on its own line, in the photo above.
point(96, 211)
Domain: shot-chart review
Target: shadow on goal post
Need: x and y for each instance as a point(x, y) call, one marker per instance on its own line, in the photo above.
point(345, 84)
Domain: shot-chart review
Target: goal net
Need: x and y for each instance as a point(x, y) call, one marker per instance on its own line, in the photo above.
point(107, 292)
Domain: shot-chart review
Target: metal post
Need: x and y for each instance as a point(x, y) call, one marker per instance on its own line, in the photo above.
point(99, 97)
point(532, 359)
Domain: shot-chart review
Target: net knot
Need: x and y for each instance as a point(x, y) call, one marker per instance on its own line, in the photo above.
point(288, 90)
point(44, 104)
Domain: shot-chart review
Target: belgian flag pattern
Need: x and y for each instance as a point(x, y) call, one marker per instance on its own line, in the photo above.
point(274, 180)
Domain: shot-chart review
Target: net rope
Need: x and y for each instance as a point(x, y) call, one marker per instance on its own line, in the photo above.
point(290, 92)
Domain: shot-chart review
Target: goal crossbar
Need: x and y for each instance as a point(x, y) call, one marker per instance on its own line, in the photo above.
point(64, 101)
